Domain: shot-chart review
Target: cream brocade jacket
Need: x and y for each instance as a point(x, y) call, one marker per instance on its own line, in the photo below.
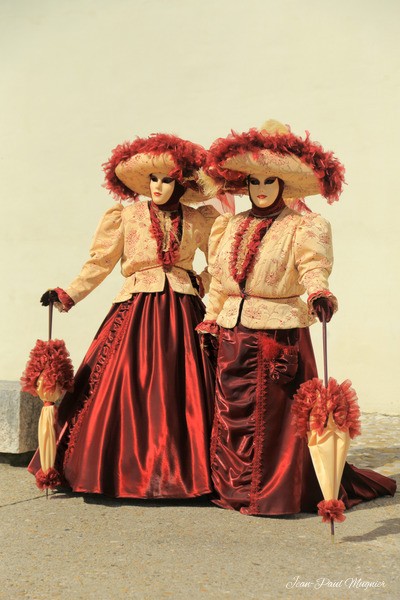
point(124, 234)
point(294, 257)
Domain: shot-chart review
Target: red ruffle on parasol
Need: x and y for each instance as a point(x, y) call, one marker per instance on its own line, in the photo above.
point(328, 416)
point(48, 375)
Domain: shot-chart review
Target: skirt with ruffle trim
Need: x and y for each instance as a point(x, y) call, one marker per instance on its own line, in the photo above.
point(138, 422)
point(259, 466)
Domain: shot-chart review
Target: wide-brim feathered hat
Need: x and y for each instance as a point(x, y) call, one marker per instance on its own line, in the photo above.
point(127, 172)
point(273, 151)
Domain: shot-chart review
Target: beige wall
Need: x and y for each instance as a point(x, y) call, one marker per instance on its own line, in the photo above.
point(82, 76)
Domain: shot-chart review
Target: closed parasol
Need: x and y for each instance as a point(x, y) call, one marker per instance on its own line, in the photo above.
point(48, 375)
point(327, 414)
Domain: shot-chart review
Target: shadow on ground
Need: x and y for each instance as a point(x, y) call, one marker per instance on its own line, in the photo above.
point(16, 460)
point(387, 527)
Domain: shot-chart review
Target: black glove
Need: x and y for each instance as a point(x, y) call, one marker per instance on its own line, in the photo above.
point(209, 344)
point(49, 296)
point(323, 306)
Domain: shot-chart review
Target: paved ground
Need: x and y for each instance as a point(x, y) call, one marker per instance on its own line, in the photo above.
point(76, 547)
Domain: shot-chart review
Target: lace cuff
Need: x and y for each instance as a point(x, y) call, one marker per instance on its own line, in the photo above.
point(66, 301)
point(321, 294)
point(208, 327)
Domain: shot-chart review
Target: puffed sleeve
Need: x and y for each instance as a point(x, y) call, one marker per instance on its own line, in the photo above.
point(105, 251)
point(216, 297)
point(207, 214)
point(314, 257)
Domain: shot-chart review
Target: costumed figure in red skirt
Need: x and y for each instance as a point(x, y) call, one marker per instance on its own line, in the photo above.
point(138, 422)
point(262, 261)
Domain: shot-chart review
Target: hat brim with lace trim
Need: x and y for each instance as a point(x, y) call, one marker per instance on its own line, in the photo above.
point(127, 172)
point(273, 151)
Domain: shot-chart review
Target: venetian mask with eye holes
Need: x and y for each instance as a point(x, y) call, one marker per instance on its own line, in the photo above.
point(161, 187)
point(263, 191)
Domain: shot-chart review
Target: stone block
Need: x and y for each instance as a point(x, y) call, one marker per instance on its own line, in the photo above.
point(19, 416)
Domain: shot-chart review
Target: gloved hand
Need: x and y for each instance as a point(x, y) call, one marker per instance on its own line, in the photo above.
point(209, 344)
point(323, 306)
point(209, 341)
point(49, 296)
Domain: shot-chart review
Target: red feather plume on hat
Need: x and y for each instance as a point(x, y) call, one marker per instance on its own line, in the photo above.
point(188, 158)
point(326, 167)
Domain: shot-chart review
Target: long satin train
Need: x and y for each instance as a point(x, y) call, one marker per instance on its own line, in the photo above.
point(258, 464)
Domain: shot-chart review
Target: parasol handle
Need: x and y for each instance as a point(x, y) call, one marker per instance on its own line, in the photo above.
point(50, 319)
point(325, 350)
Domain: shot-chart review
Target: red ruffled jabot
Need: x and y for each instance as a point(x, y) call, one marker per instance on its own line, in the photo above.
point(240, 273)
point(166, 257)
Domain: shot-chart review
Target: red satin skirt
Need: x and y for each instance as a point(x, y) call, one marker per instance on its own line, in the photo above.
point(259, 466)
point(138, 423)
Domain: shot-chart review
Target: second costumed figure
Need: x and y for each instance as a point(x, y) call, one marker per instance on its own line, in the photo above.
point(262, 261)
